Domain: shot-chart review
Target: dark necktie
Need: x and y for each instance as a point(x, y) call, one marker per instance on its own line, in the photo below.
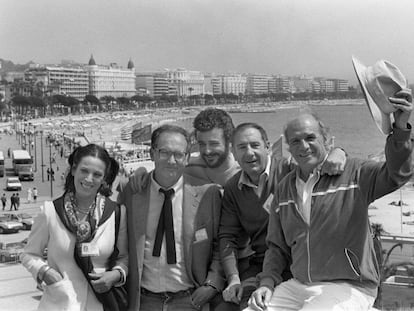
point(166, 224)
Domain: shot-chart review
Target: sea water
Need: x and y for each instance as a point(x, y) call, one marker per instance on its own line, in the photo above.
point(351, 125)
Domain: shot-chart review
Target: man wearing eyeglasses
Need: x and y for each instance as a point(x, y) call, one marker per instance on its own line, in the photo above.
point(172, 232)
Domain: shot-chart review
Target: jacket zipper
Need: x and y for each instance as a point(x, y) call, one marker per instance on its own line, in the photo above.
point(307, 239)
point(308, 249)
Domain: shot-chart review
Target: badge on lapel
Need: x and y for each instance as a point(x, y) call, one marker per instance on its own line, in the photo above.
point(201, 235)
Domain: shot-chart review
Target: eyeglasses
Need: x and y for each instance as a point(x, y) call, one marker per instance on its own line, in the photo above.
point(166, 154)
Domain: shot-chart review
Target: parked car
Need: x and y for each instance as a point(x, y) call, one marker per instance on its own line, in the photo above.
point(7, 225)
point(10, 251)
point(13, 183)
point(25, 219)
point(24, 242)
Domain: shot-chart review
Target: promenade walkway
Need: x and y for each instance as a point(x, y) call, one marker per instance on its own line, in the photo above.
point(18, 289)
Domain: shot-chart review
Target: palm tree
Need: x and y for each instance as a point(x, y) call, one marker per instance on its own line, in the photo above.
point(190, 89)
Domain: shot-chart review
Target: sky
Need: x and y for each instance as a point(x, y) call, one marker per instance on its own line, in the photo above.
point(287, 37)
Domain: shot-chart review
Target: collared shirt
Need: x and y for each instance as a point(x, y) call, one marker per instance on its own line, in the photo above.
point(158, 275)
point(258, 189)
point(305, 189)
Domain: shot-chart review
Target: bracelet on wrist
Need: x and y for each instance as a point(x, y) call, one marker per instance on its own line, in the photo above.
point(42, 272)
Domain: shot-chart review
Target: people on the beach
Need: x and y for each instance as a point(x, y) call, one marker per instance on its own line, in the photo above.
point(86, 237)
point(319, 224)
point(182, 264)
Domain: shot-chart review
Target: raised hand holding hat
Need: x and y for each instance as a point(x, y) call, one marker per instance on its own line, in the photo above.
point(402, 101)
point(386, 93)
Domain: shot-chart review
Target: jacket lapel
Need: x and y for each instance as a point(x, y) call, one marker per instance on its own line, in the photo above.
point(140, 203)
point(190, 207)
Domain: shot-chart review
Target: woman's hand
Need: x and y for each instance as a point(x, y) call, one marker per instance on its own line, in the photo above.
point(102, 282)
point(51, 276)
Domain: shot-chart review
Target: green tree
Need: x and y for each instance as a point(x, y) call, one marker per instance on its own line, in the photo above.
point(123, 102)
point(72, 103)
point(91, 99)
point(107, 99)
point(4, 108)
point(21, 103)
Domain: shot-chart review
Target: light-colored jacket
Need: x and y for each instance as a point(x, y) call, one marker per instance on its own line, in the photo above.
point(73, 292)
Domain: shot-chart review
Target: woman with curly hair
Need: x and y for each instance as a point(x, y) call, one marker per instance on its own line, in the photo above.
point(85, 235)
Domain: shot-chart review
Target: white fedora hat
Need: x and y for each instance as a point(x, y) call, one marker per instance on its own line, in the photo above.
point(378, 83)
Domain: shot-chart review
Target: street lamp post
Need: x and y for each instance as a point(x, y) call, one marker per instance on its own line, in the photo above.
point(35, 147)
point(41, 151)
point(29, 134)
point(24, 136)
point(50, 170)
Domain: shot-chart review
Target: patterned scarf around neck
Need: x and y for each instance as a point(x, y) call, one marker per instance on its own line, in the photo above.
point(84, 230)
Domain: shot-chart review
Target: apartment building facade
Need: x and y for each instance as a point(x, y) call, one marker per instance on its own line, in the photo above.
point(59, 80)
point(229, 84)
point(257, 84)
point(184, 82)
point(154, 84)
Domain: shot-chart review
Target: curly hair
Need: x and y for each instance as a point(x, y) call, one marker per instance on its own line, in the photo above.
point(211, 118)
point(111, 167)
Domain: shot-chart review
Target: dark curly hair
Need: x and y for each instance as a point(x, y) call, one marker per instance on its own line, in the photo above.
point(211, 118)
point(111, 165)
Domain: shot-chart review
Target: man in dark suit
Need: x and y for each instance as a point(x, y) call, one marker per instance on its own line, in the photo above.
point(181, 268)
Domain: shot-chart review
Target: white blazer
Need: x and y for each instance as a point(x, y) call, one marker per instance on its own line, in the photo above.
point(73, 292)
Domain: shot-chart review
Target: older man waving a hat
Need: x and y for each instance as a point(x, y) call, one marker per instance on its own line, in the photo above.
point(319, 225)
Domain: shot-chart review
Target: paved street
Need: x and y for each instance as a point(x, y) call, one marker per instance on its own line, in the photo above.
point(18, 289)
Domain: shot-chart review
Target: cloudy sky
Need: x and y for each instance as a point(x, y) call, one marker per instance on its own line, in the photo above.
point(312, 37)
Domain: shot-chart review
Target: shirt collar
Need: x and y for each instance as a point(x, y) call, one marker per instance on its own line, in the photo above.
point(245, 179)
point(156, 186)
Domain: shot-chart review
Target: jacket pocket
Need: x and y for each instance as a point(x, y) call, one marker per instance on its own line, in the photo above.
point(59, 296)
point(353, 262)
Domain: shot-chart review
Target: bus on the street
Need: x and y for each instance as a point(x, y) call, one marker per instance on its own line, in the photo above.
point(1, 164)
point(22, 164)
